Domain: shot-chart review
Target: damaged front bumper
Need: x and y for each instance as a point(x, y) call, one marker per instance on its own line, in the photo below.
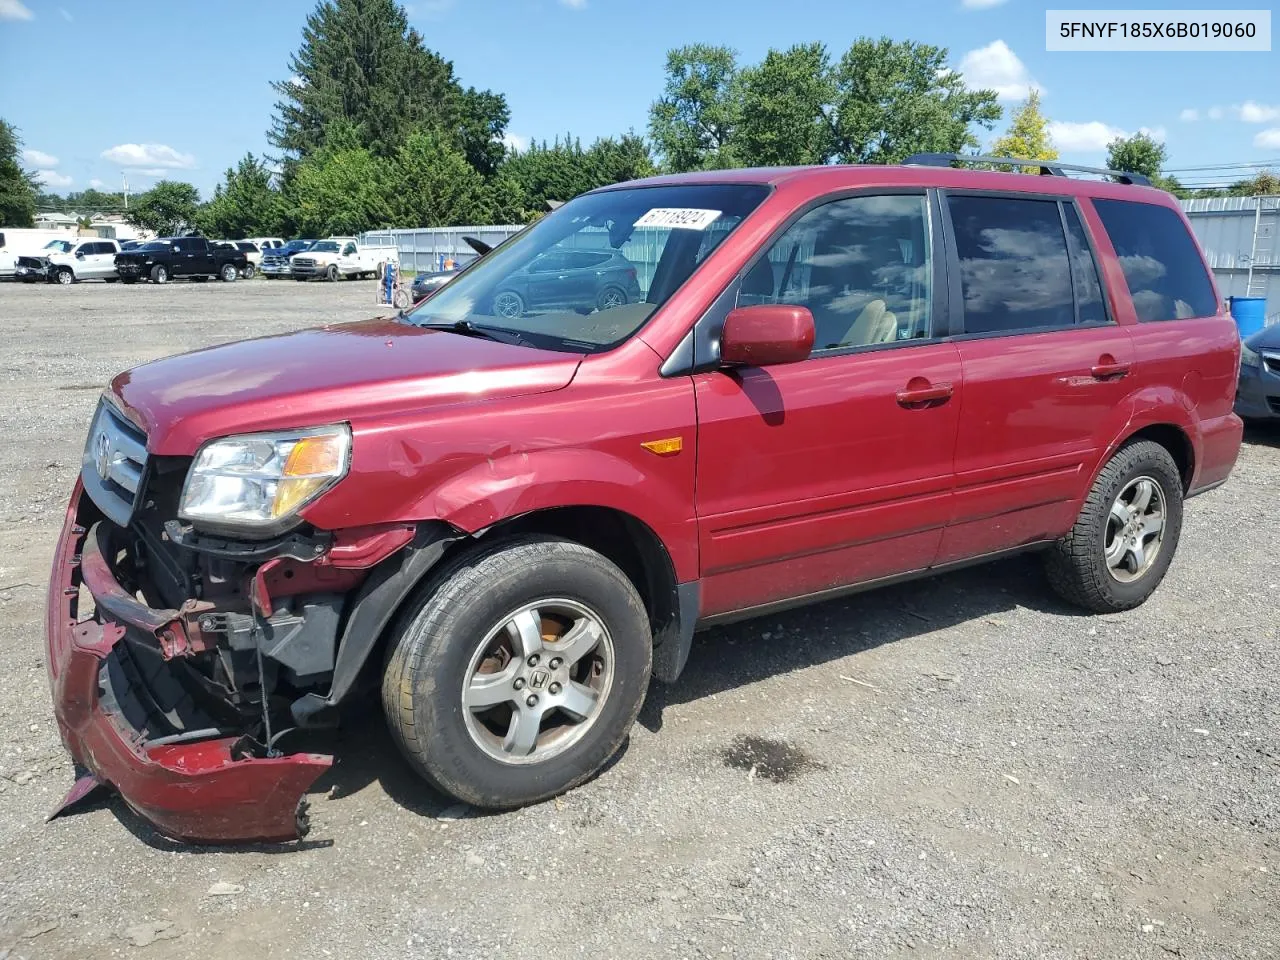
point(203, 786)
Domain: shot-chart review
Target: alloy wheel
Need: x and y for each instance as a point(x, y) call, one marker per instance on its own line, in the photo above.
point(1135, 529)
point(538, 681)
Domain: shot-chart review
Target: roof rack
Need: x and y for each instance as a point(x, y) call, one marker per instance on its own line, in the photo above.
point(1048, 168)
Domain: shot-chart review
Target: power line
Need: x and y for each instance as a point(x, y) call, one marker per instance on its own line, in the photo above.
point(1263, 164)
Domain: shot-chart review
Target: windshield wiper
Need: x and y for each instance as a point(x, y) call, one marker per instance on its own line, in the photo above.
point(469, 329)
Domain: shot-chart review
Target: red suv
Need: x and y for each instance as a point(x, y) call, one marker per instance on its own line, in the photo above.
point(833, 377)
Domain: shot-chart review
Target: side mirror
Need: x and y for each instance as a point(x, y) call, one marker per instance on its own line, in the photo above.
point(79, 254)
point(767, 334)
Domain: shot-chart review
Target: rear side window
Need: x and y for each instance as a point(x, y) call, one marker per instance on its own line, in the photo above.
point(1084, 270)
point(1015, 271)
point(1166, 277)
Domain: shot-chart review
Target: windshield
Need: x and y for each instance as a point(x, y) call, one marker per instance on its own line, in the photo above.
point(62, 246)
point(589, 275)
point(325, 246)
point(296, 246)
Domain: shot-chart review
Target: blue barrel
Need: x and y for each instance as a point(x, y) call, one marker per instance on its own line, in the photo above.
point(1250, 314)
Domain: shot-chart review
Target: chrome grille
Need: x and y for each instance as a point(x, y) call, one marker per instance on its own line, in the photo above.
point(304, 261)
point(1272, 360)
point(114, 464)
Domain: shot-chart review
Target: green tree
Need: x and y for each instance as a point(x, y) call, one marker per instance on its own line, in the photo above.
point(693, 123)
point(785, 104)
point(360, 62)
point(1027, 137)
point(893, 99)
point(18, 187)
point(1262, 183)
point(1140, 153)
point(435, 186)
point(245, 204)
point(167, 209)
point(564, 169)
point(341, 189)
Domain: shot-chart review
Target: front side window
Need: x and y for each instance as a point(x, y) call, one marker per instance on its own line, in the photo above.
point(349, 250)
point(863, 266)
point(588, 276)
point(1166, 277)
point(1015, 271)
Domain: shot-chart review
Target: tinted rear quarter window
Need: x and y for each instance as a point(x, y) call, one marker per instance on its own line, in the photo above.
point(1166, 277)
point(1015, 272)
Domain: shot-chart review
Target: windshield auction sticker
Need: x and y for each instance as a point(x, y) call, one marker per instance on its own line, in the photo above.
point(1145, 30)
point(678, 218)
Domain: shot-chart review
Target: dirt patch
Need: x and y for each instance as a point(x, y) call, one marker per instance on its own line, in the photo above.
point(772, 760)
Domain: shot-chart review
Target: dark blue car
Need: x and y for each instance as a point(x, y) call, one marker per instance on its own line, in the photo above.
point(582, 280)
point(1258, 396)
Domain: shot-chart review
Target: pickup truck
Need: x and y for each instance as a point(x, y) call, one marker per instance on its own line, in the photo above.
point(168, 258)
point(339, 257)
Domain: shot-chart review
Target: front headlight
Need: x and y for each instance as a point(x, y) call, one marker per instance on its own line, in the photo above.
point(1249, 358)
point(259, 480)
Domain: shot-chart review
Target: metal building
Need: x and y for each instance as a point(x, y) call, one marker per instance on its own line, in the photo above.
point(1241, 238)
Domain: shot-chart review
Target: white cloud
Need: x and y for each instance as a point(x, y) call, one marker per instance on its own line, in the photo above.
point(1094, 135)
point(1253, 112)
point(980, 4)
point(516, 142)
point(1268, 139)
point(1189, 115)
point(1215, 113)
point(575, 4)
point(96, 183)
point(52, 178)
point(38, 158)
point(14, 10)
point(66, 15)
point(1087, 137)
point(152, 155)
point(996, 67)
point(150, 172)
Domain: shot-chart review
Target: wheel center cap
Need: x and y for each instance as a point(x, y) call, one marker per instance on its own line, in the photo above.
point(538, 679)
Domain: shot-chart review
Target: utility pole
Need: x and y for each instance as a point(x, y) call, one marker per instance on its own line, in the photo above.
point(125, 177)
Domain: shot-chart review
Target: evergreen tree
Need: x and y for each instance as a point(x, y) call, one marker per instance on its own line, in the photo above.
point(245, 204)
point(361, 63)
point(18, 187)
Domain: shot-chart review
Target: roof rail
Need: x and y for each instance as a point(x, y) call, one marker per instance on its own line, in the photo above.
point(1048, 168)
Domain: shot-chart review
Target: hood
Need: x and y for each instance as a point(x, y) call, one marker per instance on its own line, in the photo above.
point(318, 254)
point(326, 375)
point(1268, 338)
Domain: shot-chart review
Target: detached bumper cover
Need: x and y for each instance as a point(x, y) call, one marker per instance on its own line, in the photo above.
point(199, 791)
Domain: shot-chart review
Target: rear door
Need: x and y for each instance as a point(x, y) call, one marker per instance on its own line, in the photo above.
point(104, 259)
point(1044, 364)
point(837, 470)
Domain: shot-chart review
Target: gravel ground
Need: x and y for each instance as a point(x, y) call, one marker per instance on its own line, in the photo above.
point(958, 767)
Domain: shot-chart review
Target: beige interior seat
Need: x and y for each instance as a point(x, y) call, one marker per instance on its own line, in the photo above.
point(875, 324)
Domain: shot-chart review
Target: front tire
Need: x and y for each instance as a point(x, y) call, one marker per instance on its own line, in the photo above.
point(518, 671)
point(159, 273)
point(64, 276)
point(332, 274)
point(1124, 539)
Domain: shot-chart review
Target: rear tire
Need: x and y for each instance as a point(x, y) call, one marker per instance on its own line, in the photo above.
point(248, 272)
point(455, 631)
point(1094, 566)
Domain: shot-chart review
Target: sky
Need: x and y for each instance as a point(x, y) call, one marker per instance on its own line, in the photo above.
point(104, 90)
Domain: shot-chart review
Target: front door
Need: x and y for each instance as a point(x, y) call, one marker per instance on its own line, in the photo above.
point(1045, 365)
point(836, 470)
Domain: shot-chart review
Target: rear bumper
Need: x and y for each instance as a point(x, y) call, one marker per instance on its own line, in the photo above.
point(202, 791)
point(1220, 441)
